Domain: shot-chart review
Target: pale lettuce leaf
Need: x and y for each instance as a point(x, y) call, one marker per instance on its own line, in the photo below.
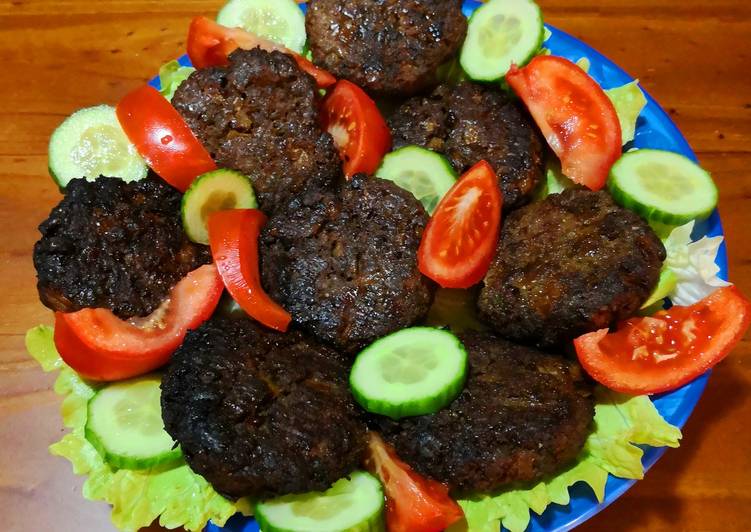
point(694, 265)
point(174, 495)
point(171, 75)
point(621, 424)
point(629, 101)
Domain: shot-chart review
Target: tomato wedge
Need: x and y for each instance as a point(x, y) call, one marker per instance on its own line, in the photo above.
point(460, 239)
point(163, 138)
point(209, 44)
point(575, 115)
point(360, 132)
point(413, 503)
point(233, 236)
point(665, 351)
point(101, 346)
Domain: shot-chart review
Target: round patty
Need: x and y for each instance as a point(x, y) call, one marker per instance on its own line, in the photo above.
point(259, 116)
point(387, 47)
point(573, 263)
point(522, 415)
point(259, 413)
point(469, 123)
point(114, 245)
point(344, 263)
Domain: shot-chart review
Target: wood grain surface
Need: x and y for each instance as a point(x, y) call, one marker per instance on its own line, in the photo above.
point(692, 55)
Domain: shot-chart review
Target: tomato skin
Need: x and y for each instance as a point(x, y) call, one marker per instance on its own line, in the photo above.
point(574, 114)
point(233, 236)
point(163, 138)
point(101, 346)
point(209, 44)
point(360, 132)
point(694, 339)
point(413, 503)
point(460, 239)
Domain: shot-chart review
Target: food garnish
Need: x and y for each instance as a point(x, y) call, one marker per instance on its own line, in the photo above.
point(410, 372)
point(665, 351)
point(574, 114)
point(460, 238)
point(163, 138)
point(359, 131)
point(100, 346)
point(233, 236)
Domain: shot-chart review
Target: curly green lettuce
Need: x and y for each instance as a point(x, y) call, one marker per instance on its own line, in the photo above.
point(621, 424)
point(175, 495)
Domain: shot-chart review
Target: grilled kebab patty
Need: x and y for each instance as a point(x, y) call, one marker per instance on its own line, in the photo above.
point(259, 116)
point(344, 263)
point(522, 415)
point(573, 263)
point(387, 47)
point(470, 123)
point(114, 245)
point(259, 413)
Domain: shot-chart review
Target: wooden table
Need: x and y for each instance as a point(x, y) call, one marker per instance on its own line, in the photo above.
point(692, 55)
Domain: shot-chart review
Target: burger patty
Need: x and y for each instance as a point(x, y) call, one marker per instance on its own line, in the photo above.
point(344, 263)
point(114, 245)
point(573, 263)
point(388, 47)
point(259, 413)
point(259, 116)
point(522, 415)
point(469, 123)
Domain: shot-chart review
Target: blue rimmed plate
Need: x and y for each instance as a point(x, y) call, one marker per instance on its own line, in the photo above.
point(655, 129)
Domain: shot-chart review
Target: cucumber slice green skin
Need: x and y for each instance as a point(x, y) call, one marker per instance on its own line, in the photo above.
point(213, 191)
point(426, 174)
point(90, 143)
point(484, 22)
point(282, 20)
point(123, 445)
point(288, 513)
point(696, 192)
point(442, 378)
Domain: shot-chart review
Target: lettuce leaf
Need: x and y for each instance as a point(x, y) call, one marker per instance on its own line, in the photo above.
point(694, 264)
point(621, 424)
point(629, 101)
point(175, 495)
point(171, 75)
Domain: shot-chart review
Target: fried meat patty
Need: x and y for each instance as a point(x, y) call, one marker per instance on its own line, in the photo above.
point(469, 123)
point(573, 263)
point(344, 263)
point(259, 413)
point(522, 415)
point(114, 245)
point(259, 116)
point(387, 47)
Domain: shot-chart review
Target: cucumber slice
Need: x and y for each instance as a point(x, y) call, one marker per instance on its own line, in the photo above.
point(411, 372)
point(664, 187)
point(426, 174)
point(353, 505)
point(281, 21)
point(90, 143)
point(500, 33)
point(218, 190)
point(125, 425)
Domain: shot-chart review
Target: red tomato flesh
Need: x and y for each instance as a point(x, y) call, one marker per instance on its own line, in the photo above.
point(209, 44)
point(233, 236)
point(673, 347)
point(413, 503)
point(359, 131)
point(460, 239)
point(163, 138)
point(101, 346)
point(574, 114)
